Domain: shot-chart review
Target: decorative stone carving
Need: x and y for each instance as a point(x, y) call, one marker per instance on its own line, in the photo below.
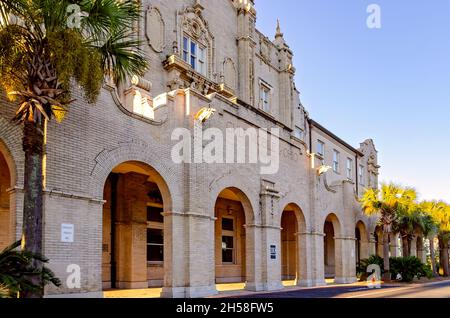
point(190, 22)
point(230, 74)
point(265, 50)
point(155, 29)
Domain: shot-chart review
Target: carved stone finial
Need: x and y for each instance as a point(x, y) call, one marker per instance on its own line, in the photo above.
point(279, 33)
point(198, 8)
point(175, 47)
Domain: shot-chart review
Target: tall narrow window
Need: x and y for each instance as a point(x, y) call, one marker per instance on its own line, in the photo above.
point(349, 169)
point(336, 156)
point(155, 235)
point(186, 49)
point(361, 175)
point(228, 241)
point(264, 97)
point(298, 133)
point(195, 55)
point(201, 60)
point(321, 148)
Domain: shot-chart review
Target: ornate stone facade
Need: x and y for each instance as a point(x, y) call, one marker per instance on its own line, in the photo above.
point(142, 220)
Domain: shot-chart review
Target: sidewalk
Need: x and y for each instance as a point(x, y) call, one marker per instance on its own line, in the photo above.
point(330, 284)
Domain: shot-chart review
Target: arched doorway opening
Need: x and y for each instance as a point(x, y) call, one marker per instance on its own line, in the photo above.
point(6, 217)
point(232, 209)
point(133, 227)
point(289, 245)
point(378, 235)
point(361, 243)
point(293, 245)
point(332, 247)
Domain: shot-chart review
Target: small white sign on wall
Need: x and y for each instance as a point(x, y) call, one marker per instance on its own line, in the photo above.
point(67, 233)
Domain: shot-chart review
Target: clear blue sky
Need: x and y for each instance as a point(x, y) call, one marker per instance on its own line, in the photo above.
point(390, 84)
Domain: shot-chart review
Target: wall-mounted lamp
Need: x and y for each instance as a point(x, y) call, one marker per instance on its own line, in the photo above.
point(322, 170)
point(205, 114)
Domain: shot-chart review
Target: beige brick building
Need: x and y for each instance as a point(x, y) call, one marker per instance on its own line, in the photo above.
point(141, 220)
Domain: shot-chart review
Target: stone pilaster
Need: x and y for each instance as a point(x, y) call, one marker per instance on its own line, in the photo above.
point(317, 259)
point(131, 239)
point(304, 261)
point(271, 238)
point(346, 266)
point(394, 246)
point(246, 45)
point(372, 245)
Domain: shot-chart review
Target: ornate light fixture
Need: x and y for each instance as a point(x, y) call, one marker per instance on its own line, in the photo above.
point(205, 114)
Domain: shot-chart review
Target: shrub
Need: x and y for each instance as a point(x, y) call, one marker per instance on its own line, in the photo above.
point(16, 272)
point(427, 271)
point(408, 267)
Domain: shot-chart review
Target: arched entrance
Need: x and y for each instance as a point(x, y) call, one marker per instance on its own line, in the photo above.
point(293, 245)
point(332, 247)
point(133, 227)
point(232, 208)
point(378, 235)
point(6, 217)
point(361, 243)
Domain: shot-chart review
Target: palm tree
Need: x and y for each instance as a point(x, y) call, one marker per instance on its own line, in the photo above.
point(46, 46)
point(16, 271)
point(440, 212)
point(386, 203)
point(408, 222)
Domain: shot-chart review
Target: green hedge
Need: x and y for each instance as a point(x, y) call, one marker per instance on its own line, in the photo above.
point(408, 267)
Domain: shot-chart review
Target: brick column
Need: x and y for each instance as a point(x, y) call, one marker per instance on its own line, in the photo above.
point(317, 258)
point(346, 265)
point(270, 238)
point(253, 258)
point(174, 255)
point(394, 247)
point(372, 245)
point(304, 257)
point(131, 239)
point(189, 259)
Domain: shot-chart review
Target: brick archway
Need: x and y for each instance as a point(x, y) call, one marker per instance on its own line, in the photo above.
point(294, 265)
point(333, 247)
point(135, 151)
point(233, 233)
point(137, 199)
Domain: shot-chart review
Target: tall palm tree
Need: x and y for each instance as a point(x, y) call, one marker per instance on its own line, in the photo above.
point(46, 46)
point(440, 212)
point(408, 222)
point(385, 203)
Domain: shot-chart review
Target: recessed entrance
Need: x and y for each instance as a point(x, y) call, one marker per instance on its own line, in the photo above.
point(133, 227)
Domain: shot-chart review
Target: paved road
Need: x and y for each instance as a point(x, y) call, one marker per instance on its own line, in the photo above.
point(434, 290)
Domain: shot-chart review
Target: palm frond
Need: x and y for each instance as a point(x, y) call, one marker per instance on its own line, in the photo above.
point(122, 56)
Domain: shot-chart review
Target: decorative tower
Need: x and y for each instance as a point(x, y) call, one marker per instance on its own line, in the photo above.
point(286, 78)
point(246, 44)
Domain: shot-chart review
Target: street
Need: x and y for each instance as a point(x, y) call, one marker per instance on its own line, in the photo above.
point(431, 290)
